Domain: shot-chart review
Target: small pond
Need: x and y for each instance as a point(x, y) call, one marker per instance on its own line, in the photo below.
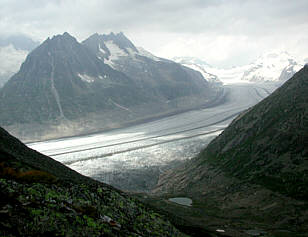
point(181, 200)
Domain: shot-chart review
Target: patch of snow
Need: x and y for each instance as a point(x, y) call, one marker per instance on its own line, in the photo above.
point(109, 63)
point(131, 53)
point(101, 49)
point(115, 54)
point(86, 78)
point(115, 50)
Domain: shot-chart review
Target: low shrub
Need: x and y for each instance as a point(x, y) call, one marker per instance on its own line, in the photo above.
point(30, 176)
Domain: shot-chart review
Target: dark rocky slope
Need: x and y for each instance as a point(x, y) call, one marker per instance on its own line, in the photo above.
point(255, 174)
point(41, 197)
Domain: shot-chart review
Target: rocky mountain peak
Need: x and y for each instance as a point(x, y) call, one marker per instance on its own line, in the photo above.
point(120, 40)
point(58, 41)
point(110, 44)
point(64, 81)
point(272, 66)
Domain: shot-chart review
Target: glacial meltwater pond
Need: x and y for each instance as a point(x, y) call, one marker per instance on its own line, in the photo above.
point(181, 200)
point(133, 158)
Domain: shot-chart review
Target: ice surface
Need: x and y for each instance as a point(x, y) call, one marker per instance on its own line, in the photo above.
point(181, 200)
point(124, 157)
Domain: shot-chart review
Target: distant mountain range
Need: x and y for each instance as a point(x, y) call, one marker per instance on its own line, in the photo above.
point(269, 67)
point(10, 59)
point(19, 42)
point(198, 65)
point(13, 51)
point(254, 174)
point(272, 67)
point(65, 87)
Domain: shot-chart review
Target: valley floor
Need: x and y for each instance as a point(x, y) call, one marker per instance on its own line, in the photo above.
point(132, 158)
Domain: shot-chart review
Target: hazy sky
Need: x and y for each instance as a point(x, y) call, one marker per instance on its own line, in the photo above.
point(222, 32)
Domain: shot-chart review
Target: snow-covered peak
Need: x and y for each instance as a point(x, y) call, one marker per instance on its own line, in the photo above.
point(272, 66)
point(198, 65)
point(112, 48)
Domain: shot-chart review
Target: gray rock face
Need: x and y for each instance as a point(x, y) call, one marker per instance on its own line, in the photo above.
point(159, 77)
point(67, 88)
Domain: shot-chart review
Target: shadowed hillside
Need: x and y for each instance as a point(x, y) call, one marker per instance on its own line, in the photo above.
point(41, 197)
point(255, 174)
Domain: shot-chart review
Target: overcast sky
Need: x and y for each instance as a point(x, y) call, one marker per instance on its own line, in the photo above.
point(222, 32)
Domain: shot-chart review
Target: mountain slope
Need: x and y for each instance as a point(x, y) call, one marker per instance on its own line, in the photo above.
point(255, 172)
point(269, 143)
point(42, 197)
point(61, 79)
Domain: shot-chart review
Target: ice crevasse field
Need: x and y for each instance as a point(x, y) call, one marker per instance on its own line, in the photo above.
point(132, 158)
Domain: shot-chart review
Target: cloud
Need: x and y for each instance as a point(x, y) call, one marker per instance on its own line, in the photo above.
point(222, 31)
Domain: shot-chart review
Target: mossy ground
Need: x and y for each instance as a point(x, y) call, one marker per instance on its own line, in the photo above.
point(66, 209)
